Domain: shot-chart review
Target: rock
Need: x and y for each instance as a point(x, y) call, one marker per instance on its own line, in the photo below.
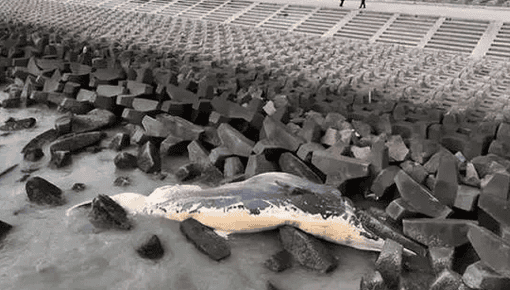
point(218, 155)
point(471, 177)
point(56, 98)
point(108, 75)
point(125, 160)
point(75, 107)
point(71, 89)
point(279, 262)
point(145, 105)
point(503, 132)
point(281, 135)
point(447, 280)
point(110, 91)
point(63, 124)
point(77, 187)
point(438, 232)
point(423, 149)
point(122, 181)
point(362, 153)
point(496, 184)
point(13, 124)
point(479, 276)
point(180, 127)
point(307, 250)
point(483, 163)
point(205, 239)
point(399, 209)
point(180, 94)
point(415, 280)
point(173, 145)
point(495, 208)
point(86, 96)
point(53, 84)
point(291, 164)
point(149, 160)
point(151, 249)
point(60, 158)
point(33, 154)
point(339, 168)
point(210, 136)
point(397, 150)
point(74, 142)
point(269, 149)
point(189, 171)
point(419, 197)
point(93, 120)
point(11, 103)
point(119, 141)
point(125, 100)
point(233, 167)
point(258, 164)
point(415, 170)
point(433, 164)
point(38, 97)
point(385, 231)
point(372, 281)
point(176, 108)
point(499, 148)
point(384, 181)
point(467, 197)
point(155, 128)
point(331, 137)
point(4, 229)
point(441, 258)
point(380, 157)
point(43, 192)
point(306, 150)
point(198, 154)
point(108, 214)
point(492, 250)
point(445, 188)
point(235, 141)
point(311, 131)
point(389, 263)
point(133, 116)
point(364, 129)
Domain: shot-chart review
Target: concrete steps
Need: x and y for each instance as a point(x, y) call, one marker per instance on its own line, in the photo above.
point(364, 25)
point(153, 6)
point(257, 14)
point(500, 47)
point(407, 29)
point(322, 21)
point(227, 11)
point(175, 8)
point(288, 17)
point(202, 8)
point(458, 35)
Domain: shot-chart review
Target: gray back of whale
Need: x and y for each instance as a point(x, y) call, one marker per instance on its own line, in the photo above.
point(262, 191)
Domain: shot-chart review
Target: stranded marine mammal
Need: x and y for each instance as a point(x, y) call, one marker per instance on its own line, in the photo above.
point(263, 202)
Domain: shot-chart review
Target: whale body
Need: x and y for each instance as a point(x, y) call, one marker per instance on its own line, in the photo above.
point(260, 203)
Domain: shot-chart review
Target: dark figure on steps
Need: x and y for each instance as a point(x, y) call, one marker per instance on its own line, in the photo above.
point(342, 3)
point(362, 4)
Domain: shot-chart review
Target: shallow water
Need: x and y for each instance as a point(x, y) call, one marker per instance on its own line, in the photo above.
point(47, 250)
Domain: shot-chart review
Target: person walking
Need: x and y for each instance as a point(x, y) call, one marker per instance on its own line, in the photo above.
point(362, 4)
point(342, 3)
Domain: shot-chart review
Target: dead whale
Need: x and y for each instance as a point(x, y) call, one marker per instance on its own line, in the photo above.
point(263, 202)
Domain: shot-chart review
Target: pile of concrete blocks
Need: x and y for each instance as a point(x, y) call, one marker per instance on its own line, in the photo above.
point(443, 180)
